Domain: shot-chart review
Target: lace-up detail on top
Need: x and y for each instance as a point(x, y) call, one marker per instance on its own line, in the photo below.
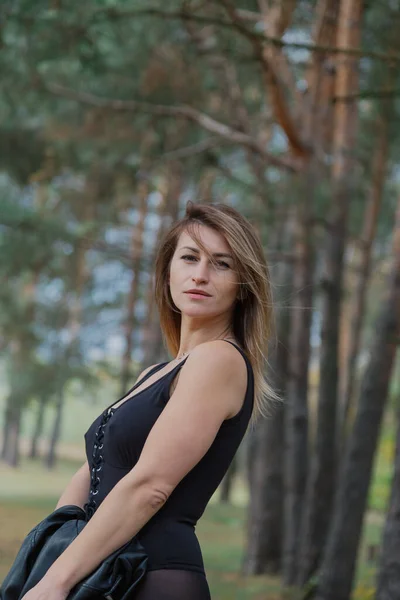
point(97, 463)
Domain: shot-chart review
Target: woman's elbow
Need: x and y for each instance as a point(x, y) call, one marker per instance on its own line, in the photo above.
point(152, 492)
point(158, 497)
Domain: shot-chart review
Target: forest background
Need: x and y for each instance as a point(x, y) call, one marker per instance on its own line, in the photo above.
point(114, 114)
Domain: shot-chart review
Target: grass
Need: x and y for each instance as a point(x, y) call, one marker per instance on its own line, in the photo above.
point(383, 468)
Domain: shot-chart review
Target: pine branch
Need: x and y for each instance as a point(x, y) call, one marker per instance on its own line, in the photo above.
point(112, 13)
point(249, 15)
point(182, 111)
point(391, 93)
point(268, 60)
point(193, 150)
point(227, 172)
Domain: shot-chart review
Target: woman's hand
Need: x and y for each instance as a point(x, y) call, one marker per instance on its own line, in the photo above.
point(47, 589)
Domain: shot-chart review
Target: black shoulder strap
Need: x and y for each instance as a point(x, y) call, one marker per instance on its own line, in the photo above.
point(148, 374)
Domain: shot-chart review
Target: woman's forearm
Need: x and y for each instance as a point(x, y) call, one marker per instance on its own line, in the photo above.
point(77, 490)
point(124, 511)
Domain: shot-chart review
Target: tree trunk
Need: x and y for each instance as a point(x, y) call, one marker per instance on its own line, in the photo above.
point(6, 428)
point(150, 328)
point(19, 382)
point(316, 113)
point(175, 185)
point(363, 272)
point(205, 185)
point(341, 551)
point(38, 427)
point(277, 17)
point(317, 107)
point(136, 254)
point(296, 413)
point(173, 189)
point(265, 510)
point(321, 482)
point(50, 459)
point(11, 451)
point(12, 455)
point(388, 584)
point(251, 447)
point(227, 483)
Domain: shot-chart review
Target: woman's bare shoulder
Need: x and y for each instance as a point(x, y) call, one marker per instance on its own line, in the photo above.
point(219, 348)
point(217, 356)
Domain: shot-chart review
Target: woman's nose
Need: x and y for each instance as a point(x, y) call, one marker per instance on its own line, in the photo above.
point(201, 271)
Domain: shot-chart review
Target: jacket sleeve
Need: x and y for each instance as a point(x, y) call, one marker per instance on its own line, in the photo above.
point(18, 578)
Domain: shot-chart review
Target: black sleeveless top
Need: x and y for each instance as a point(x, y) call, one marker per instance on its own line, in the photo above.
point(114, 442)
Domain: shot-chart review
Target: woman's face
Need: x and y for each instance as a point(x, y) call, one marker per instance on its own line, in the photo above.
point(191, 268)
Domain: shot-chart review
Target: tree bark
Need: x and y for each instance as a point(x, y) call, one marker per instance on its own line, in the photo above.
point(276, 17)
point(12, 425)
point(363, 272)
point(171, 191)
point(316, 112)
point(12, 452)
point(50, 459)
point(227, 483)
point(322, 476)
point(265, 510)
point(317, 107)
point(174, 186)
point(38, 427)
point(388, 581)
point(341, 551)
point(19, 382)
point(296, 413)
point(136, 253)
point(6, 428)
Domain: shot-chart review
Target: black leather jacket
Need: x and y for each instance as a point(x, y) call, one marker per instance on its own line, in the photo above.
point(114, 578)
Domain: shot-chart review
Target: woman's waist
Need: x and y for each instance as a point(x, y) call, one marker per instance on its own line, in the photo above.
point(171, 543)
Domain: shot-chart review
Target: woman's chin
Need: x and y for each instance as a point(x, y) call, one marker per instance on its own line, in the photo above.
point(195, 312)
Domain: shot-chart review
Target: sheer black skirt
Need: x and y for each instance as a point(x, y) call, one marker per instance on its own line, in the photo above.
point(173, 584)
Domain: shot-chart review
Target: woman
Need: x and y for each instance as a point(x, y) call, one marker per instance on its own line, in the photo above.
point(169, 441)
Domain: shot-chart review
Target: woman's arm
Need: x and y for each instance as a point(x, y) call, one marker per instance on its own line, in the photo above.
point(210, 389)
point(77, 490)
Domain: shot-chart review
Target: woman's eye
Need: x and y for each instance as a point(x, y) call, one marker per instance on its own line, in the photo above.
point(221, 263)
point(188, 256)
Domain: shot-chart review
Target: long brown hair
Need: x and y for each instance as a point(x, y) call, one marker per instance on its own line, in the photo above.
point(253, 311)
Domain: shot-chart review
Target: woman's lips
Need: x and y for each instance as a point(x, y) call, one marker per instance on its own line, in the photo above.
point(196, 296)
